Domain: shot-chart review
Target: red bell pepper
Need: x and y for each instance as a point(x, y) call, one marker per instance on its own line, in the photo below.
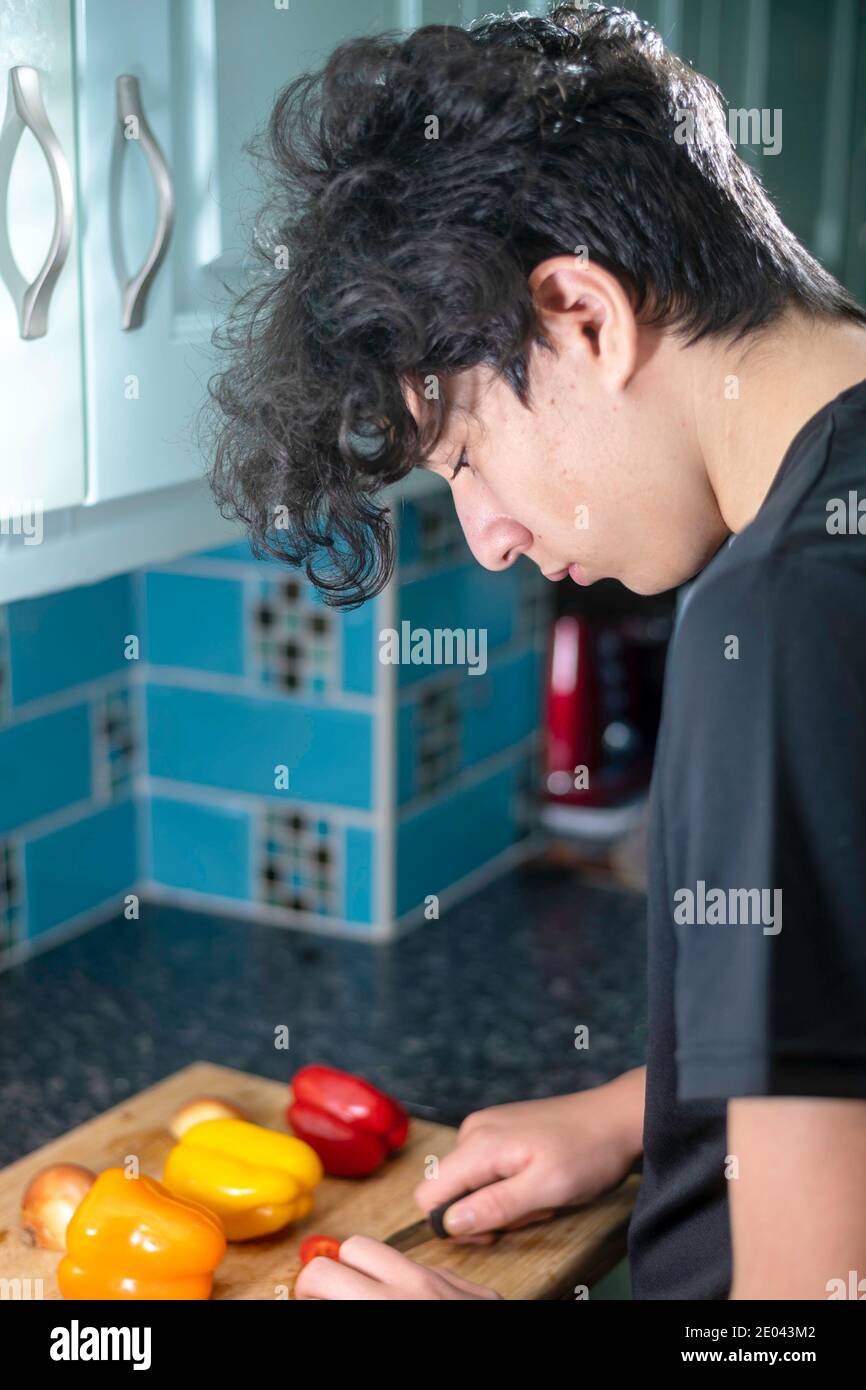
point(352, 1126)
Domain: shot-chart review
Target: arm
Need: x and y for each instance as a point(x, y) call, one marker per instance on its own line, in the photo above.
point(629, 1093)
point(798, 1218)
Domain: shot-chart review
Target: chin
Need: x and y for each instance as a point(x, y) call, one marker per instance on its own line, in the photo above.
point(645, 586)
point(661, 581)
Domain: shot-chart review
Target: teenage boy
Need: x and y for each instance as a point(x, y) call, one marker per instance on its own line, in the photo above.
point(528, 258)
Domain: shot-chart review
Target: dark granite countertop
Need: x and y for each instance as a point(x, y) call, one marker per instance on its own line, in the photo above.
point(475, 1009)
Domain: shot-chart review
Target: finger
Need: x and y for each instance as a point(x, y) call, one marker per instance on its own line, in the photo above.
point(331, 1280)
point(477, 1120)
point(378, 1261)
point(494, 1207)
point(474, 1163)
point(532, 1218)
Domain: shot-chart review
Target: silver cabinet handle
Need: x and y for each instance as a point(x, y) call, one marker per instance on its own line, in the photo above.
point(133, 291)
point(25, 110)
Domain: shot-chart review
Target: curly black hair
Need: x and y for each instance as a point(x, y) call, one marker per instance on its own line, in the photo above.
point(415, 184)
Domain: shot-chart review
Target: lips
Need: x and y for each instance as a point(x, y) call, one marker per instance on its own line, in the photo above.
point(574, 572)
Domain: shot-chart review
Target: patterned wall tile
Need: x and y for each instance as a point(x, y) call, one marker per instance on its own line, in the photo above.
point(11, 909)
point(114, 744)
point(299, 862)
point(430, 534)
point(440, 536)
point(438, 738)
point(294, 638)
point(275, 679)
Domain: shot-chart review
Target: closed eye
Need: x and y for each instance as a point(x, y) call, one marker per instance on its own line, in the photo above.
point(462, 462)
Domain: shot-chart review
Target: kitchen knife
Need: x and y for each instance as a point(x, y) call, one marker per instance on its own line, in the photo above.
point(434, 1224)
point(420, 1231)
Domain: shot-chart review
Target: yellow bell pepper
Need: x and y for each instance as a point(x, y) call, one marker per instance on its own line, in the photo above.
point(131, 1238)
point(254, 1179)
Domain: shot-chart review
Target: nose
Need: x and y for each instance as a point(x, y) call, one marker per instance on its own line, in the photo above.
point(495, 540)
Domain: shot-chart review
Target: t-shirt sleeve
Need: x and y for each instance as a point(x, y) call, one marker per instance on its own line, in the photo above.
point(765, 820)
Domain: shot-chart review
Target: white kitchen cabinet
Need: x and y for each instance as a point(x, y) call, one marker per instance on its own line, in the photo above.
point(204, 74)
point(98, 417)
point(145, 334)
point(41, 414)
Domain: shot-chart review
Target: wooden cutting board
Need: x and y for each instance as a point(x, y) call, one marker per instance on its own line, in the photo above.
point(544, 1261)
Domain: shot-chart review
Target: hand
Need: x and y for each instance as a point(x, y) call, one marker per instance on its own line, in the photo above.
point(534, 1156)
point(368, 1270)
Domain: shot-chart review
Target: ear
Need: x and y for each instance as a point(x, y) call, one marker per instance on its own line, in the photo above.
point(584, 309)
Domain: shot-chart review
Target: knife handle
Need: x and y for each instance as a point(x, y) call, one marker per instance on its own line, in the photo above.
point(437, 1216)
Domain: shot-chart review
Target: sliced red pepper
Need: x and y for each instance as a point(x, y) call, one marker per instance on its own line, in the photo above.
point(351, 1125)
point(314, 1246)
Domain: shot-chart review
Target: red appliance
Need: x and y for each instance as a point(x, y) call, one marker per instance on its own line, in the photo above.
point(603, 704)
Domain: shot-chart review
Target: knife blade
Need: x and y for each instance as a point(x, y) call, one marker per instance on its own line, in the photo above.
point(430, 1226)
point(410, 1236)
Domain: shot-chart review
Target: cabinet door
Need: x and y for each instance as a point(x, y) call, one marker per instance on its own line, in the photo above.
point(42, 431)
point(800, 68)
point(207, 71)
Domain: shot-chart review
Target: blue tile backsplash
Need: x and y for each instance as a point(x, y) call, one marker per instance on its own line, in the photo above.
point(211, 733)
point(68, 639)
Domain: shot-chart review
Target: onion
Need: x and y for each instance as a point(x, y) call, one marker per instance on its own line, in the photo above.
point(50, 1200)
point(203, 1108)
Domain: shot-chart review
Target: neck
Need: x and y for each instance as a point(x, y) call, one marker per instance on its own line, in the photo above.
point(751, 399)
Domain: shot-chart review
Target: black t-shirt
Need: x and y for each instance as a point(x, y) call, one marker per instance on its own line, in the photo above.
point(759, 784)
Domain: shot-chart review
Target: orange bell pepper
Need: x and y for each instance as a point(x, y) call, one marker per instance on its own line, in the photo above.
point(131, 1238)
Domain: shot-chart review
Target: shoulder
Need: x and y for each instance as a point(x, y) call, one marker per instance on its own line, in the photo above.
point(769, 640)
point(785, 595)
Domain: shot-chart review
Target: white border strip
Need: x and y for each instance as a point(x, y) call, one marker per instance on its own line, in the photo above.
point(198, 794)
point(310, 923)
